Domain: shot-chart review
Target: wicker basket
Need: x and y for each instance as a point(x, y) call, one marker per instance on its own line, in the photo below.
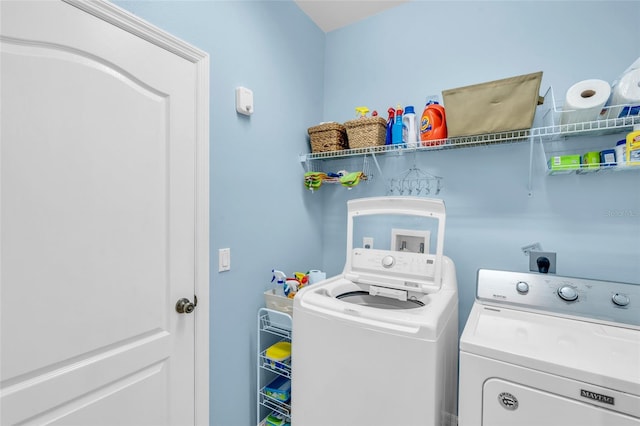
point(328, 137)
point(366, 131)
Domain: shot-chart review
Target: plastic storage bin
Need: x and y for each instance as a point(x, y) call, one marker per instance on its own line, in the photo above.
point(276, 419)
point(279, 355)
point(279, 389)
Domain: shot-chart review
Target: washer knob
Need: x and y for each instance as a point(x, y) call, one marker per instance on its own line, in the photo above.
point(522, 287)
point(567, 293)
point(388, 261)
point(620, 299)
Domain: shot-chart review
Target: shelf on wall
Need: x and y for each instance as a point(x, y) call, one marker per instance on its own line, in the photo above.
point(550, 115)
point(440, 144)
point(593, 128)
point(554, 138)
point(595, 168)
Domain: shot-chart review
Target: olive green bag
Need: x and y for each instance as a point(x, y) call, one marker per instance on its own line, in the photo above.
point(494, 107)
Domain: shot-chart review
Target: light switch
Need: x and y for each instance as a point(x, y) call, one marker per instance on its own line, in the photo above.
point(224, 259)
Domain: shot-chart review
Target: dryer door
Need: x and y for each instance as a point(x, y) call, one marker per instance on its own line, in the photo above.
point(507, 404)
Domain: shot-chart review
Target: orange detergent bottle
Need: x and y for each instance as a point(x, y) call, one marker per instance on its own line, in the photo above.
point(433, 125)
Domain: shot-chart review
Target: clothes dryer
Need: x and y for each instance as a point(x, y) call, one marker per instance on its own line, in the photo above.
point(541, 349)
point(377, 344)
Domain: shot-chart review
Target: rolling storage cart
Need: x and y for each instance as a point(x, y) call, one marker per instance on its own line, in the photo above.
point(273, 372)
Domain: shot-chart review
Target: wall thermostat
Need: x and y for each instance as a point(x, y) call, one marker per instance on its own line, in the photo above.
point(244, 101)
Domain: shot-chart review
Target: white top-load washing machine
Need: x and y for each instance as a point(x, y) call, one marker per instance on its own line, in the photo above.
point(377, 344)
point(548, 350)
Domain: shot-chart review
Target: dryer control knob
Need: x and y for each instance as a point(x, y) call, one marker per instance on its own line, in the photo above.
point(388, 261)
point(620, 299)
point(568, 293)
point(522, 287)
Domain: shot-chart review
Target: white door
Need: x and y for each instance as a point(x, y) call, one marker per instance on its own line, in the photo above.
point(103, 218)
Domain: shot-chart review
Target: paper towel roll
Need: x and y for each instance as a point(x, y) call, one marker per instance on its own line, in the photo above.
point(316, 276)
point(626, 92)
point(585, 100)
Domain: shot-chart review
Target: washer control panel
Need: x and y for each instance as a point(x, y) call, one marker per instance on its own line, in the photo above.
point(600, 300)
point(397, 262)
point(398, 269)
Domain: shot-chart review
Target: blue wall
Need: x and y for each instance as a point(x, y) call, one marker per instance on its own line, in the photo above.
point(420, 48)
point(259, 206)
point(301, 76)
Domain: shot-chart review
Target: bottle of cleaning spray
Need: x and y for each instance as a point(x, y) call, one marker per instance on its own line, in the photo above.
point(281, 278)
point(392, 113)
point(396, 131)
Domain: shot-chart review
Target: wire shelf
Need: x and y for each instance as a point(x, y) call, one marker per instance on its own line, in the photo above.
point(276, 405)
point(272, 325)
point(605, 168)
point(267, 324)
point(554, 137)
point(612, 119)
point(435, 145)
point(280, 368)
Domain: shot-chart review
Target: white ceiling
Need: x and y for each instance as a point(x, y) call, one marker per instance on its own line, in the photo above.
point(330, 15)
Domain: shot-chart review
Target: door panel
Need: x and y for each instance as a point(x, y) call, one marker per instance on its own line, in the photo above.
point(61, 175)
point(98, 208)
point(506, 404)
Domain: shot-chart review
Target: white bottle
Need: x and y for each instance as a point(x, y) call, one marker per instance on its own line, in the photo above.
point(409, 129)
point(621, 153)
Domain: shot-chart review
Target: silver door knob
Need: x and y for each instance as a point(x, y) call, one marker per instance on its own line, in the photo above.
point(184, 305)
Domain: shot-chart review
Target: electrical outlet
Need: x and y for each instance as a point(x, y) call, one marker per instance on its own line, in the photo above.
point(537, 262)
point(367, 242)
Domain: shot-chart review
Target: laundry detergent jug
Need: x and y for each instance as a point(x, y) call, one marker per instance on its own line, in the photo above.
point(433, 125)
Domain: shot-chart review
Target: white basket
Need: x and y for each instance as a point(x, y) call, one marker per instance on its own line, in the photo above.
point(277, 302)
point(554, 114)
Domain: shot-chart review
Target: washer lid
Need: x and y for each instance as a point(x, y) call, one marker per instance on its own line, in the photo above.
point(420, 272)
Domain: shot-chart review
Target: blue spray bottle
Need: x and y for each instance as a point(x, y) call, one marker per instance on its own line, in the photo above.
point(391, 112)
point(396, 131)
